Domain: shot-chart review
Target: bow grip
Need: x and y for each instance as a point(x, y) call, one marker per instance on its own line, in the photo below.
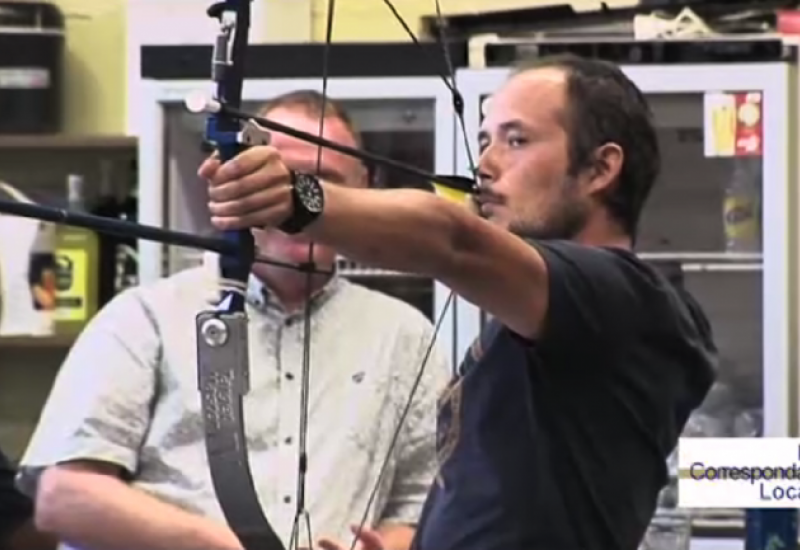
point(238, 267)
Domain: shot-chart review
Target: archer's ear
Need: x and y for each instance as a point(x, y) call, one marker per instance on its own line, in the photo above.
point(606, 168)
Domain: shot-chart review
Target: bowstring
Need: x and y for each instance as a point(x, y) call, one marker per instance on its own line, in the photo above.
point(302, 512)
point(449, 79)
point(302, 515)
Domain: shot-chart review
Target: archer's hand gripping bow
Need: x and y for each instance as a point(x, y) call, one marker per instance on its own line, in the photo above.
point(222, 343)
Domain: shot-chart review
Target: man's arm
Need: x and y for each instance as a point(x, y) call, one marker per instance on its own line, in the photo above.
point(415, 231)
point(88, 440)
point(88, 506)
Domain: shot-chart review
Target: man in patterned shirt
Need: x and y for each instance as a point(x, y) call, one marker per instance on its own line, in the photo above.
point(118, 459)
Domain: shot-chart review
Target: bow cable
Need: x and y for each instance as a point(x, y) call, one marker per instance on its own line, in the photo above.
point(302, 514)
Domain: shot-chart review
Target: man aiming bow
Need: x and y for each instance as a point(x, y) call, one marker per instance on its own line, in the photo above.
point(555, 433)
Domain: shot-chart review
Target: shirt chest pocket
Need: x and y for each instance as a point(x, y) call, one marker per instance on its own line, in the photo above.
point(359, 410)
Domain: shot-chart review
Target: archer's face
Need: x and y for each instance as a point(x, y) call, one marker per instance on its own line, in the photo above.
point(301, 156)
point(524, 160)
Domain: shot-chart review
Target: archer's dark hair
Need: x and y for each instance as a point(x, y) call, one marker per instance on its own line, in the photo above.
point(605, 106)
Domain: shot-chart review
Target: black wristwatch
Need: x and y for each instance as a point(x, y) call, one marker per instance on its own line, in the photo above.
point(308, 201)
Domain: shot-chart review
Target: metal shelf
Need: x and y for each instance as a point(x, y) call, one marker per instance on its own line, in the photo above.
point(67, 142)
point(703, 257)
point(691, 262)
point(353, 271)
point(694, 267)
point(56, 341)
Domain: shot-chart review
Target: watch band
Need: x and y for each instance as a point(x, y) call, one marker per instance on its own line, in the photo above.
point(301, 216)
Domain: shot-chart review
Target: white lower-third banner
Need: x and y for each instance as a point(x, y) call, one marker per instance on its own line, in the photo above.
point(739, 472)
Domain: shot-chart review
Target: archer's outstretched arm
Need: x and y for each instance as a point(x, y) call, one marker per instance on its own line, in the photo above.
point(406, 230)
point(415, 231)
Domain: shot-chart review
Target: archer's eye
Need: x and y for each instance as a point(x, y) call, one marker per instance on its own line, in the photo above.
point(516, 141)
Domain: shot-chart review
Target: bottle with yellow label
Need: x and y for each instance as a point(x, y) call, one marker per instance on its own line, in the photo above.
point(742, 207)
point(77, 252)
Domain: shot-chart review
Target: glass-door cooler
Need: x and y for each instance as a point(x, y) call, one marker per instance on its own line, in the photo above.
point(718, 221)
point(406, 119)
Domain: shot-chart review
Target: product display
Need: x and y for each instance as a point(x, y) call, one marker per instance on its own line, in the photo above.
point(117, 265)
point(126, 256)
point(107, 205)
point(27, 280)
point(77, 254)
point(742, 206)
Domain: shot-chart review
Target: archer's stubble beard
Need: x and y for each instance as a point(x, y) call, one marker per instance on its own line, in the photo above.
point(564, 220)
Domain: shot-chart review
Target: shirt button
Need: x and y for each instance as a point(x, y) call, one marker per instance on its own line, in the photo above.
point(288, 440)
point(289, 376)
point(287, 499)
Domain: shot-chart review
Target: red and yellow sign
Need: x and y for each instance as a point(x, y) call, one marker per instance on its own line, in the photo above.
point(734, 124)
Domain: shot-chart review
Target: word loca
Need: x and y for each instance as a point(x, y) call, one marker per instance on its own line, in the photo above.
point(769, 492)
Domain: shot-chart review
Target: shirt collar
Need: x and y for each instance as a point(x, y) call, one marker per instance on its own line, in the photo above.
point(262, 298)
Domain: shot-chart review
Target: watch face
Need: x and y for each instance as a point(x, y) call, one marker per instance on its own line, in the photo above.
point(310, 193)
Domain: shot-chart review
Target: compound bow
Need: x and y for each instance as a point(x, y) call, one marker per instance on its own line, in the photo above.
point(222, 341)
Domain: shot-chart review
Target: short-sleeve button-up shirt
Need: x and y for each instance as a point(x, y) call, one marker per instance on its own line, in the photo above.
point(127, 394)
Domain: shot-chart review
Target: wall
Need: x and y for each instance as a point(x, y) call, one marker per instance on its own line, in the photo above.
point(95, 66)
point(372, 20)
